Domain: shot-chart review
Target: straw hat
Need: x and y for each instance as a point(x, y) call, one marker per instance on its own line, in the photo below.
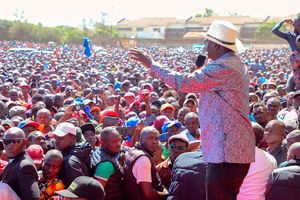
point(223, 33)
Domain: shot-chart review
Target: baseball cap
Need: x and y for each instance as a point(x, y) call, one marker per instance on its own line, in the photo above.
point(166, 106)
point(178, 137)
point(169, 124)
point(84, 187)
point(159, 122)
point(29, 123)
point(296, 93)
point(87, 127)
point(64, 128)
point(36, 153)
point(132, 121)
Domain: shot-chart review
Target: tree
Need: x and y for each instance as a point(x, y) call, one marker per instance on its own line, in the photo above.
point(264, 32)
point(207, 13)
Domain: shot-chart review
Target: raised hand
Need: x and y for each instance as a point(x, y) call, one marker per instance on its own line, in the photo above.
point(141, 57)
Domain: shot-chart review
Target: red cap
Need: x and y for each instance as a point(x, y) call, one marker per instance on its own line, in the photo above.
point(110, 113)
point(32, 123)
point(159, 122)
point(36, 153)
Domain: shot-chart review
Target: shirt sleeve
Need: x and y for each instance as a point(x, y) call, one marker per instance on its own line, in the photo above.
point(278, 32)
point(104, 170)
point(142, 170)
point(209, 78)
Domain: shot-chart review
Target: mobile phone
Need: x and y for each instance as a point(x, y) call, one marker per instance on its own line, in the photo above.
point(149, 120)
point(76, 107)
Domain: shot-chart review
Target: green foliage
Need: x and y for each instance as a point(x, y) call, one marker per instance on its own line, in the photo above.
point(207, 13)
point(264, 32)
point(24, 31)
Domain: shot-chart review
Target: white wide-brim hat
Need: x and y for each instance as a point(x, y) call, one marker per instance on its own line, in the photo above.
point(225, 34)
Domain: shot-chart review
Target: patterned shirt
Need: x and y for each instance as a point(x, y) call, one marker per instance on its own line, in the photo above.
point(223, 87)
point(49, 187)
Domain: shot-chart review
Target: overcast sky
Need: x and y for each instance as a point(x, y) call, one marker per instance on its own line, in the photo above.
point(71, 12)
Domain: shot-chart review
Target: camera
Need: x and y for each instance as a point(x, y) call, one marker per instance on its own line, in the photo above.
point(76, 107)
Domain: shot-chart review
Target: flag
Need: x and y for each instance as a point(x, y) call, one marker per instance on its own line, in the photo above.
point(86, 46)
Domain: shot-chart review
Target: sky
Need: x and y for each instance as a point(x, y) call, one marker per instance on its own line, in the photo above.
point(71, 12)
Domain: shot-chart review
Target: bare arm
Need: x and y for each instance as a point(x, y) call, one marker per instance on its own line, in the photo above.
point(146, 97)
point(150, 193)
point(67, 115)
point(136, 134)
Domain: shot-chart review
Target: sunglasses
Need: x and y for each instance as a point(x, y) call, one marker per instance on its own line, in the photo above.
point(179, 148)
point(12, 141)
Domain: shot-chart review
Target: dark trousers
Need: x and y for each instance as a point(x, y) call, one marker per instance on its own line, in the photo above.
point(223, 180)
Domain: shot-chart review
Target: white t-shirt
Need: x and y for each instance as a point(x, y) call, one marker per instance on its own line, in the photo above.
point(255, 183)
point(7, 193)
point(142, 170)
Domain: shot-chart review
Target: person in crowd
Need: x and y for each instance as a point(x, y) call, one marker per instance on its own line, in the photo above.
point(169, 129)
point(141, 180)
point(255, 183)
point(260, 113)
point(3, 162)
point(273, 107)
point(73, 164)
point(167, 110)
point(177, 145)
point(37, 137)
point(29, 126)
point(44, 118)
point(221, 50)
point(83, 187)
point(292, 138)
point(89, 133)
point(48, 181)
point(290, 37)
point(181, 115)
point(105, 164)
point(7, 193)
point(284, 182)
point(192, 131)
point(274, 134)
point(188, 177)
point(20, 174)
point(191, 104)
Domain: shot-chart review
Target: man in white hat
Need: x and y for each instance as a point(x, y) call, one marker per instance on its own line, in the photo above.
point(228, 141)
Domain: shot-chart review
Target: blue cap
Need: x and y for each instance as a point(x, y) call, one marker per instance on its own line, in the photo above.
point(169, 124)
point(132, 121)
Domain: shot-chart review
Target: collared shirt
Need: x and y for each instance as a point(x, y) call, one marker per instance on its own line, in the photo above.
point(255, 182)
point(223, 85)
point(164, 170)
point(279, 154)
point(290, 37)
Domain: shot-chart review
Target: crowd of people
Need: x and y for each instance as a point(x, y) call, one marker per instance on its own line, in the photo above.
point(117, 125)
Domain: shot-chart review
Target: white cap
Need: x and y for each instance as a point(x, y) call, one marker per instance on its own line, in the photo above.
point(64, 128)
